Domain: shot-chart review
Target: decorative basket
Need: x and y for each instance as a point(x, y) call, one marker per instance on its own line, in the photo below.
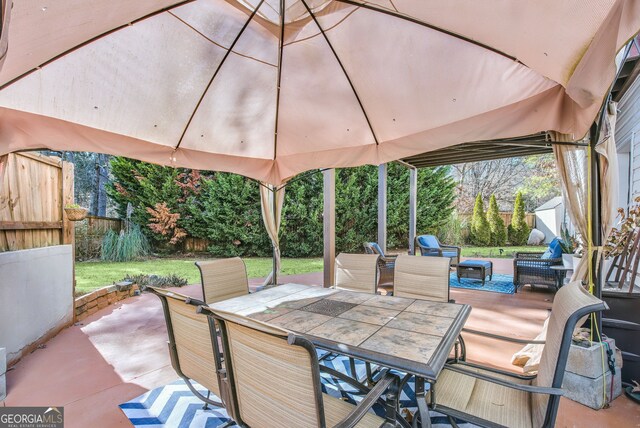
point(76, 214)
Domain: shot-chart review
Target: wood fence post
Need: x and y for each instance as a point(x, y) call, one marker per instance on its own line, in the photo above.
point(68, 227)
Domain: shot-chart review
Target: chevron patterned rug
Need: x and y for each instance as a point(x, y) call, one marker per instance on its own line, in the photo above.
point(174, 405)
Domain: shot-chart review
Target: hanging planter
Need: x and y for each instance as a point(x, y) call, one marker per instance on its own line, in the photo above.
point(75, 212)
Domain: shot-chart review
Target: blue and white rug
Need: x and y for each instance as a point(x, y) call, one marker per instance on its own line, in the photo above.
point(174, 405)
point(500, 283)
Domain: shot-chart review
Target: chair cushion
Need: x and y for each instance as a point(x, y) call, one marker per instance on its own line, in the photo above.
point(335, 410)
point(429, 241)
point(483, 399)
point(451, 254)
point(475, 263)
point(554, 251)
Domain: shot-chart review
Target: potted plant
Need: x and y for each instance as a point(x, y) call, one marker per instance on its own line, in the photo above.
point(75, 212)
point(570, 248)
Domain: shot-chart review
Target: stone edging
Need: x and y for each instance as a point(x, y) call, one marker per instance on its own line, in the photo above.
point(101, 298)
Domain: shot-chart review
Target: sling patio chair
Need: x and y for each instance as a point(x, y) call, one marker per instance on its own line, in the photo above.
point(223, 279)
point(357, 272)
point(386, 263)
point(424, 278)
point(193, 345)
point(430, 245)
point(489, 397)
point(275, 380)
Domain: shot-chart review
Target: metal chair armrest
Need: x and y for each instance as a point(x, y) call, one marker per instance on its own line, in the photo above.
point(386, 381)
point(345, 378)
point(426, 250)
point(504, 338)
point(506, 383)
point(530, 255)
point(451, 247)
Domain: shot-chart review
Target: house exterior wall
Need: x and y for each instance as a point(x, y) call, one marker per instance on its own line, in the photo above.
point(628, 143)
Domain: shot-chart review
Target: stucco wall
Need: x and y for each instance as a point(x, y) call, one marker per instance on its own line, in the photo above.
point(36, 300)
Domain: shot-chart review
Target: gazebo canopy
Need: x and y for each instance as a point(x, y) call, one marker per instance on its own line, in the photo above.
point(269, 89)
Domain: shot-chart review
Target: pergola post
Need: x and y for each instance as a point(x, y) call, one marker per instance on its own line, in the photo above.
point(596, 225)
point(329, 226)
point(413, 208)
point(382, 206)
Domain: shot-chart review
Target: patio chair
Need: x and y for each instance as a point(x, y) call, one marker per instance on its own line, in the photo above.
point(275, 380)
point(193, 347)
point(430, 246)
point(385, 263)
point(223, 279)
point(535, 268)
point(422, 278)
point(489, 397)
point(426, 279)
point(357, 272)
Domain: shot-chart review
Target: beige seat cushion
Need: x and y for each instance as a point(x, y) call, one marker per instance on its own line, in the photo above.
point(485, 400)
point(335, 410)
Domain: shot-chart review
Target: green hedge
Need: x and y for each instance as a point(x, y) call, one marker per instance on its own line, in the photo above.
point(225, 208)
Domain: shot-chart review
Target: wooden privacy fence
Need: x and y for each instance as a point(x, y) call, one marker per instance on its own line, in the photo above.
point(33, 192)
point(506, 217)
point(89, 235)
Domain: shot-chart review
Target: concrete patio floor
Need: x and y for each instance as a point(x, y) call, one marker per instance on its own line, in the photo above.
point(120, 352)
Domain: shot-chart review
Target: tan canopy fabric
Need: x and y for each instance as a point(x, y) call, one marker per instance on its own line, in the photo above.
point(5, 7)
point(270, 196)
point(269, 88)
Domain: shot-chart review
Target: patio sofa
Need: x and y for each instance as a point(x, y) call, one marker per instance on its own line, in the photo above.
point(535, 268)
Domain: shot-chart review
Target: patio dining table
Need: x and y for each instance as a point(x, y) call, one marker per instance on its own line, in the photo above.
point(410, 335)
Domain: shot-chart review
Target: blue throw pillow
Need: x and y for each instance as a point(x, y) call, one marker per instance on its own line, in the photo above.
point(554, 251)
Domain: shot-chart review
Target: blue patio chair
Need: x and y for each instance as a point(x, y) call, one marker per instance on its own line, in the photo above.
point(429, 245)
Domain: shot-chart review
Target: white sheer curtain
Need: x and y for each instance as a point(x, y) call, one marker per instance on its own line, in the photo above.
point(609, 180)
point(270, 196)
point(572, 167)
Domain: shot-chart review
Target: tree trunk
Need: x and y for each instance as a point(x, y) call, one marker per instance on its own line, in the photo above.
point(99, 194)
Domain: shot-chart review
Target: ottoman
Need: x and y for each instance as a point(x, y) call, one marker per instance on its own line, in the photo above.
point(475, 269)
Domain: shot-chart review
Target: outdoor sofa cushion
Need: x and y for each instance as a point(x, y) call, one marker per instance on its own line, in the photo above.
point(475, 263)
point(554, 251)
point(431, 241)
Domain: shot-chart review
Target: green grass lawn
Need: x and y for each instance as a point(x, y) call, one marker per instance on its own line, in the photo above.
point(92, 275)
point(507, 252)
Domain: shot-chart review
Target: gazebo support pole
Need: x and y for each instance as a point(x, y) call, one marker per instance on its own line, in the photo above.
point(413, 208)
point(276, 255)
point(329, 226)
point(382, 206)
point(596, 224)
